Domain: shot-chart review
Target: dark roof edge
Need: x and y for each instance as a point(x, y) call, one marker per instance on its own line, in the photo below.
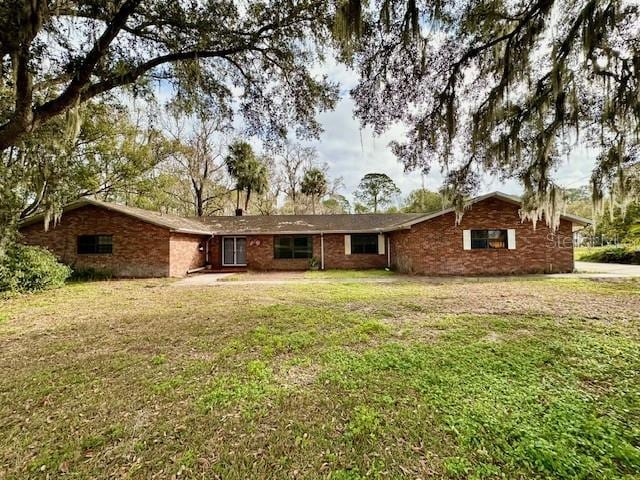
point(399, 226)
point(83, 202)
point(502, 196)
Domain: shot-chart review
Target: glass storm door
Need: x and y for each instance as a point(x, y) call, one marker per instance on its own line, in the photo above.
point(234, 251)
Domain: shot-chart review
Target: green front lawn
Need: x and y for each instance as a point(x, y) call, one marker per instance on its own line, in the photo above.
point(139, 379)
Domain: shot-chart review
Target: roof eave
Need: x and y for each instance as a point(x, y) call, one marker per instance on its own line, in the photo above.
point(191, 232)
point(298, 232)
point(575, 219)
point(40, 216)
point(113, 208)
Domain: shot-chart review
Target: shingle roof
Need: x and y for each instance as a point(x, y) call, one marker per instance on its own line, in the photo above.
point(172, 222)
point(575, 219)
point(340, 223)
point(282, 224)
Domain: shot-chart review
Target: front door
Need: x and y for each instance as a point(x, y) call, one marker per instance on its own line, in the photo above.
point(234, 251)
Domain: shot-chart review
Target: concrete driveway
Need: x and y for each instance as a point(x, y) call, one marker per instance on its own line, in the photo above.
point(609, 269)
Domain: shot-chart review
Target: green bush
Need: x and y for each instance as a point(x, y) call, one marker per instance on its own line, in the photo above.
point(629, 255)
point(29, 269)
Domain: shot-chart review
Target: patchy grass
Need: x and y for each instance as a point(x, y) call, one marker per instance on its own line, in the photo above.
point(254, 275)
point(487, 379)
point(339, 274)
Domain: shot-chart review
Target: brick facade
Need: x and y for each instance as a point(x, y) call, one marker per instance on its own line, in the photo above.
point(334, 256)
point(432, 247)
point(215, 252)
point(260, 255)
point(187, 252)
point(140, 249)
point(435, 247)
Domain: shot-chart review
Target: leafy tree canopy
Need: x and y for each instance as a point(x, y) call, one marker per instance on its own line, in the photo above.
point(314, 184)
point(423, 200)
point(374, 191)
point(248, 171)
point(58, 54)
point(501, 87)
point(50, 168)
point(336, 204)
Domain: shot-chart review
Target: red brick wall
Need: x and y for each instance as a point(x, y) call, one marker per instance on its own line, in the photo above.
point(215, 252)
point(260, 255)
point(334, 256)
point(185, 253)
point(139, 249)
point(432, 247)
point(435, 246)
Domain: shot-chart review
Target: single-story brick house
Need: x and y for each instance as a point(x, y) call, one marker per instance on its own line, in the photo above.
point(131, 242)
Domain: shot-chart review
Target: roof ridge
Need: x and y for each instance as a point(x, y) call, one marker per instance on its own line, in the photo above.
point(281, 224)
point(309, 215)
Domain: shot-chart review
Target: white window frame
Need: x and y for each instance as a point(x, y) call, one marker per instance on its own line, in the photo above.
point(235, 251)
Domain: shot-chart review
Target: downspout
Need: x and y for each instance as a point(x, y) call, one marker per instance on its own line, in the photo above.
point(388, 251)
point(206, 252)
point(321, 251)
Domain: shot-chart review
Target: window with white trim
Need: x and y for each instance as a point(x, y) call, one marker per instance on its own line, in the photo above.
point(364, 243)
point(489, 239)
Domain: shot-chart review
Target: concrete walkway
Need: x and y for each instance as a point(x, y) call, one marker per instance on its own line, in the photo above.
point(201, 280)
point(583, 270)
point(608, 269)
point(214, 279)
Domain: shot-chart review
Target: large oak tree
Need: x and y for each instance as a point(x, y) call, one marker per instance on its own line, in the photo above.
point(58, 54)
point(254, 58)
point(501, 86)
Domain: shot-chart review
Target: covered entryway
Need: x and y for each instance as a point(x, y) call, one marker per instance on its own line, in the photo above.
point(234, 251)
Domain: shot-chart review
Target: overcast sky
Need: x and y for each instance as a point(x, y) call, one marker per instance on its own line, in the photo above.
point(351, 152)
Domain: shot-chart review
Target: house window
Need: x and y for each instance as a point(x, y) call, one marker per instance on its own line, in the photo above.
point(95, 244)
point(364, 243)
point(292, 247)
point(488, 239)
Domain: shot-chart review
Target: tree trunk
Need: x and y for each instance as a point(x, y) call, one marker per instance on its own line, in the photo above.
point(199, 204)
point(246, 200)
point(197, 199)
point(313, 204)
point(375, 204)
point(237, 198)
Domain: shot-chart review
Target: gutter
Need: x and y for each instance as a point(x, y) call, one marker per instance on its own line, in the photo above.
point(307, 232)
point(187, 231)
point(388, 240)
point(206, 252)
